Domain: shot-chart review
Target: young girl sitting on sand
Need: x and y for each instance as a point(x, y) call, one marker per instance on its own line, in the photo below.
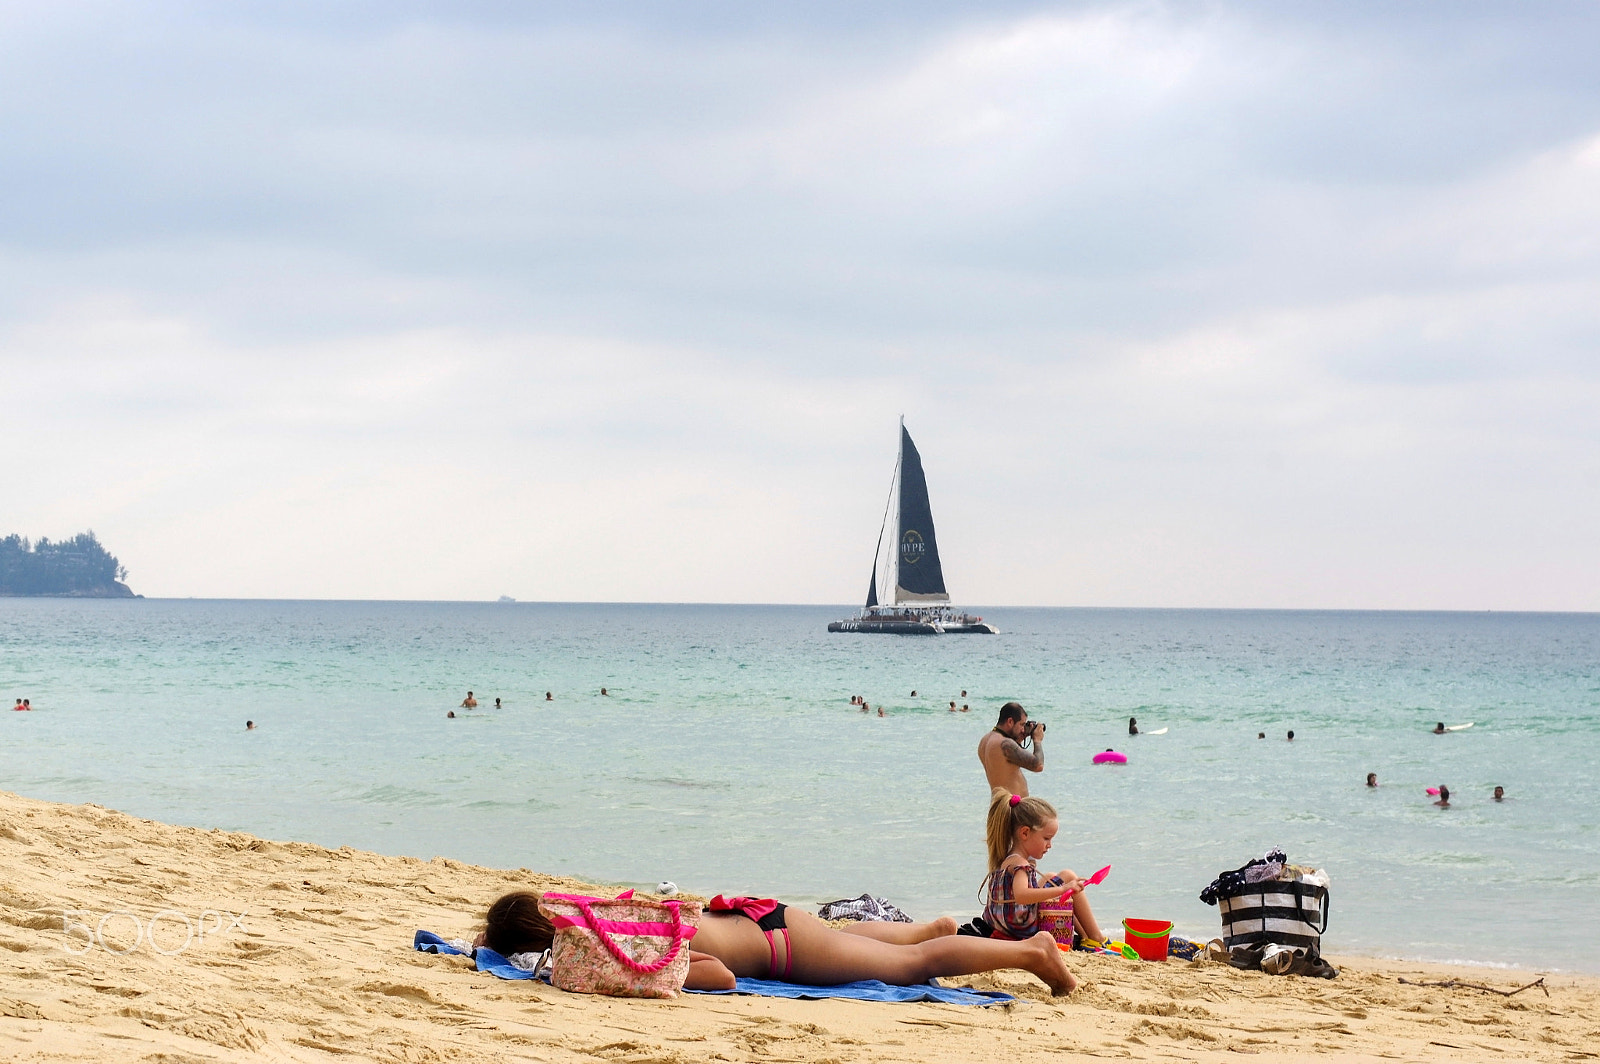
point(760, 938)
point(1021, 831)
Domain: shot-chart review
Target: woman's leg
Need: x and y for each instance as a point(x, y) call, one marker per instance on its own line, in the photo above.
point(824, 957)
point(901, 934)
point(1083, 916)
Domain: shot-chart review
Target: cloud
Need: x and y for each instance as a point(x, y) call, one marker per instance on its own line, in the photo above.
point(1231, 305)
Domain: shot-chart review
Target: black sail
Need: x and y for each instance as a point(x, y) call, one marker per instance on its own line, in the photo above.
point(872, 588)
point(918, 574)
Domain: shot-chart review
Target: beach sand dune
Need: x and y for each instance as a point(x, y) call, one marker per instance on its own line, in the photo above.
point(320, 967)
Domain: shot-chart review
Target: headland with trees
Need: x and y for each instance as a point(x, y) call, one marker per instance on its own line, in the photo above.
point(77, 568)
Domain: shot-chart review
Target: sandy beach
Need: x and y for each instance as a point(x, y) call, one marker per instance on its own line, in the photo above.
point(320, 966)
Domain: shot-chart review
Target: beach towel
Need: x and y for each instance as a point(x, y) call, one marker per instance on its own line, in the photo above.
point(491, 963)
point(1184, 949)
point(486, 959)
point(428, 942)
point(867, 990)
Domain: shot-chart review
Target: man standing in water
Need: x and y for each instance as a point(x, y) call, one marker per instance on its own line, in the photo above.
point(1002, 754)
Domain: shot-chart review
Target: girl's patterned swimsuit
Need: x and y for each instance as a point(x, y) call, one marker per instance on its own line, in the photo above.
point(1011, 918)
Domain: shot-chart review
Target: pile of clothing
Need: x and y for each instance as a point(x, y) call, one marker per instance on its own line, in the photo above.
point(865, 907)
point(1258, 870)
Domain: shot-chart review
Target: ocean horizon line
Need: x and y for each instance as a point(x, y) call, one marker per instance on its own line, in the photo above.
point(1361, 610)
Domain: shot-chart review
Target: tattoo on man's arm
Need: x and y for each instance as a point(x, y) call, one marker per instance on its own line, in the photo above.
point(1033, 761)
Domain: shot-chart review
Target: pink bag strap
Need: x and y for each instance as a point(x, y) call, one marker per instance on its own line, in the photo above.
point(678, 937)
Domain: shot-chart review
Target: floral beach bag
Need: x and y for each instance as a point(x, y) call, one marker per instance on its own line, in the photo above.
point(620, 947)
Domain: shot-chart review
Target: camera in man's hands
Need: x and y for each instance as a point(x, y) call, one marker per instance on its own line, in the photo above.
point(1034, 729)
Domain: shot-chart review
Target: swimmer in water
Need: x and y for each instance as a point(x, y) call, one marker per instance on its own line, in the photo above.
point(1261, 735)
point(27, 704)
point(952, 707)
point(964, 707)
point(1372, 779)
point(1444, 797)
point(1291, 735)
point(249, 725)
point(604, 692)
point(864, 707)
point(548, 697)
point(881, 713)
point(497, 703)
point(963, 692)
point(1499, 794)
point(913, 694)
point(469, 702)
point(451, 714)
point(1133, 726)
point(1438, 729)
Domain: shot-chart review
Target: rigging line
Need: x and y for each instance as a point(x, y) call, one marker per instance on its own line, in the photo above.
point(886, 504)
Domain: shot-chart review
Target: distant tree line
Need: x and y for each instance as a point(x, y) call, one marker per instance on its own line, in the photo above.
point(76, 566)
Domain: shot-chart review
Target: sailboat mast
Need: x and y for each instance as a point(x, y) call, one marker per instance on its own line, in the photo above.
point(873, 598)
point(893, 567)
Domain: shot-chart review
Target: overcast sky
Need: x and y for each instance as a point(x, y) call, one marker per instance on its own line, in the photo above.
point(1233, 304)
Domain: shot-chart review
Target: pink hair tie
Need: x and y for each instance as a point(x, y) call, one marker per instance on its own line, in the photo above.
point(1016, 799)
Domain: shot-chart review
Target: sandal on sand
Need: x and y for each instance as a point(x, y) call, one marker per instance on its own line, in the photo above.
point(1276, 959)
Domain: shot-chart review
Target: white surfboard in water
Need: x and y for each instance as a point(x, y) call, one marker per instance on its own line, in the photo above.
point(1461, 727)
point(1158, 731)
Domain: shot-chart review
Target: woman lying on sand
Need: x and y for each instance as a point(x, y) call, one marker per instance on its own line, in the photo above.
point(765, 939)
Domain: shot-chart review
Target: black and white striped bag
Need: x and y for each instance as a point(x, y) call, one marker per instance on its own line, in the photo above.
point(1289, 912)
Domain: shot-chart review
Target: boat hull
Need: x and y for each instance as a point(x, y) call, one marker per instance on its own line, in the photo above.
point(883, 626)
point(897, 626)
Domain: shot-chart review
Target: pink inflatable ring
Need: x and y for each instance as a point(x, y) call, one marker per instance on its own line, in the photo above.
point(1111, 757)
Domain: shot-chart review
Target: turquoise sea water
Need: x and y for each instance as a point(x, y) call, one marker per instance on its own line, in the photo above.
point(727, 757)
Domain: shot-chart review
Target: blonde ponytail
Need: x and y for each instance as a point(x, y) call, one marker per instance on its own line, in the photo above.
point(1008, 813)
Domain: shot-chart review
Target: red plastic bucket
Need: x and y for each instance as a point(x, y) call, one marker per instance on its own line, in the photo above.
point(1148, 937)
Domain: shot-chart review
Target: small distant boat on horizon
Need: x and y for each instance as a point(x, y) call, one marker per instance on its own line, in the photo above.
point(913, 600)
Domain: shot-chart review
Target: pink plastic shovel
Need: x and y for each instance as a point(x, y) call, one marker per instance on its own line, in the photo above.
point(1097, 877)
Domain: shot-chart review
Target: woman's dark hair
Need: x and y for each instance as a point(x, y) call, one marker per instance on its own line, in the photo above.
point(515, 925)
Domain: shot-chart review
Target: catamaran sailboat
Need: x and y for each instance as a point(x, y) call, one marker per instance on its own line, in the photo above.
point(913, 600)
